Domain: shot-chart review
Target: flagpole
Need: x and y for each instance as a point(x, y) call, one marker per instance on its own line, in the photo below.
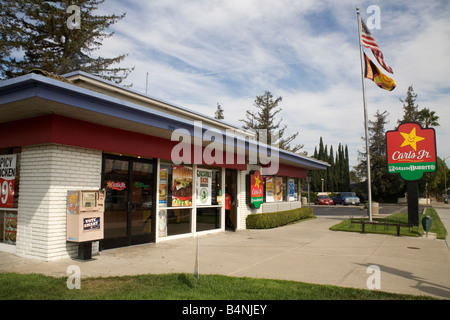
point(369, 183)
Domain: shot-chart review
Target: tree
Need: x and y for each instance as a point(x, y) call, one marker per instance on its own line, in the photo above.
point(428, 118)
point(265, 119)
point(425, 117)
point(337, 176)
point(385, 186)
point(410, 108)
point(40, 30)
point(219, 113)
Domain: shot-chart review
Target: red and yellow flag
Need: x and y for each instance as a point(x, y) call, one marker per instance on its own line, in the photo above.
point(374, 74)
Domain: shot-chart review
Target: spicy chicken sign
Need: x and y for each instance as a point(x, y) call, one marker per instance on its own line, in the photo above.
point(411, 151)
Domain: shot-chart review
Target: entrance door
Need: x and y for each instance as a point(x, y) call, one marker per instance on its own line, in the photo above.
point(129, 184)
point(231, 192)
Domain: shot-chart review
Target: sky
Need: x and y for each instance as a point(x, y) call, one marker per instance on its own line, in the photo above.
point(206, 52)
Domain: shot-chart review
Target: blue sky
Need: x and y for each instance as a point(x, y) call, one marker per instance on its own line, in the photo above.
point(203, 52)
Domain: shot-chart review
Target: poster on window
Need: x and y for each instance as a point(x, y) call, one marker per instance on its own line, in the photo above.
point(7, 179)
point(163, 181)
point(181, 186)
point(291, 190)
point(270, 189)
point(162, 223)
point(279, 189)
point(204, 182)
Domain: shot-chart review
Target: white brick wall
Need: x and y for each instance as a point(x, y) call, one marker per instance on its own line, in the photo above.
point(46, 173)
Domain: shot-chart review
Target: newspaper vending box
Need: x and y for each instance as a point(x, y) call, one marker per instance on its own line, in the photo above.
point(85, 209)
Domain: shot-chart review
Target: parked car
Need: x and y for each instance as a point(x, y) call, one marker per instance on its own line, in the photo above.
point(323, 200)
point(346, 198)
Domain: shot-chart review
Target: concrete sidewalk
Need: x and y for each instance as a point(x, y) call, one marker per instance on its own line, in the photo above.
point(305, 251)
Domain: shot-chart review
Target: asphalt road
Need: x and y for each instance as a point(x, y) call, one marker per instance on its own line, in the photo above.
point(358, 211)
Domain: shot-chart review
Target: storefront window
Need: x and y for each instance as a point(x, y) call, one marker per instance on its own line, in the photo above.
point(208, 198)
point(270, 189)
point(9, 193)
point(175, 194)
point(293, 189)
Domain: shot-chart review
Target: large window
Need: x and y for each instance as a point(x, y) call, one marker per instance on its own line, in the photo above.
point(9, 193)
point(281, 189)
point(185, 190)
point(208, 198)
point(175, 199)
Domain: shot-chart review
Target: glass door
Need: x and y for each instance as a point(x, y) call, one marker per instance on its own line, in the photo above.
point(141, 202)
point(129, 184)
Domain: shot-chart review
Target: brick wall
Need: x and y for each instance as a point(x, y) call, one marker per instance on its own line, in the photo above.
point(46, 173)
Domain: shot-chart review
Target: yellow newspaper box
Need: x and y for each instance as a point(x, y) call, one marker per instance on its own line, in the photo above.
point(85, 209)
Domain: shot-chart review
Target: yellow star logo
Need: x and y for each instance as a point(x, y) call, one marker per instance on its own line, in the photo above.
point(73, 198)
point(411, 139)
point(257, 181)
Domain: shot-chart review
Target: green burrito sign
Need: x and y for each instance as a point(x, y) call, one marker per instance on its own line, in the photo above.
point(411, 151)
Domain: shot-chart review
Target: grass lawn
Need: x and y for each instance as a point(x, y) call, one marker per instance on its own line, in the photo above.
point(437, 226)
point(179, 287)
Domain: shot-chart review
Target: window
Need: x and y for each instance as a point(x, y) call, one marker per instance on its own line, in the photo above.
point(175, 199)
point(208, 198)
point(9, 193)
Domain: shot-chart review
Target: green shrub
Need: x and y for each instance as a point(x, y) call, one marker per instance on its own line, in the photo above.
point(276, 219)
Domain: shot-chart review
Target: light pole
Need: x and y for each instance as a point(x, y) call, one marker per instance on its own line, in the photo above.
point(322, 185)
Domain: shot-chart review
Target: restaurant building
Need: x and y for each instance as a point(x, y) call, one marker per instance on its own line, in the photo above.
point(168, 172)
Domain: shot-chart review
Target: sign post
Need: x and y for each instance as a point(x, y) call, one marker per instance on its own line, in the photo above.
point(411, 152)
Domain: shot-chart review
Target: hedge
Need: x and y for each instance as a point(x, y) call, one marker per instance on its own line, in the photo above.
point(277, 219)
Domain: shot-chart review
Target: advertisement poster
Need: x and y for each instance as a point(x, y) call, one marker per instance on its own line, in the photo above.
point(256, 184)
point(411, 151)
point(279, 189)
point(291, 190)
point(204, 181)
point(270, 189)
point(181, 186)
point(162, 223)
point(163, 176)
point(10, 227)
point(7, 179)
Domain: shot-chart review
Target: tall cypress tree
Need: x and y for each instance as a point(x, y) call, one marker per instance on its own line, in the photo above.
point(43, 31)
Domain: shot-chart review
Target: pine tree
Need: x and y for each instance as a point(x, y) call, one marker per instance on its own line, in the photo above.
point(42, 30)
point(265, 119)
point(385, 186)
point(410, 108)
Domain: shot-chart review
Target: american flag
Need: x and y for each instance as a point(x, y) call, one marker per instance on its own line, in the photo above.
point(369, 42)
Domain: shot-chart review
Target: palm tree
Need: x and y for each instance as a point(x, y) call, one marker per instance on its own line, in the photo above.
point(428, 118)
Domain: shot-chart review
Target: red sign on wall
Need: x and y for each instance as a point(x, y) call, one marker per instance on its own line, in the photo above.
point(411, 151)
point(7, 179)
point(255, 190)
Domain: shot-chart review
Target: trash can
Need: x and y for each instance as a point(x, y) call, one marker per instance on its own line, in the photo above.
point(375, 208)
point(304, 201)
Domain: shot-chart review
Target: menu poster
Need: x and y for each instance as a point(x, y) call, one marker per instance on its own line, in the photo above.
point(204, 182)
point(163, 176)
point(291, 190)
point(10, 227)
point(279, 189)
point(181, 186)
point(270, 189)
point(7, 179)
